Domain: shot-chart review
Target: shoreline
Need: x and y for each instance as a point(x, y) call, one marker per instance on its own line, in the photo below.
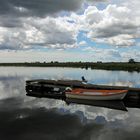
point(120, 66)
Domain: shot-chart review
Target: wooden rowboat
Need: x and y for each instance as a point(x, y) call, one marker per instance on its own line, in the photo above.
point(91, 94)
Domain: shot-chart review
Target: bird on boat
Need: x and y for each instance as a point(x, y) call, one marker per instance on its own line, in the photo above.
point(83, 79)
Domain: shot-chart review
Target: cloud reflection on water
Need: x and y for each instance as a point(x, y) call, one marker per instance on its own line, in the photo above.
point(23, 117)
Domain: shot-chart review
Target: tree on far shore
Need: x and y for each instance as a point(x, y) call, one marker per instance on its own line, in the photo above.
point(131, 60)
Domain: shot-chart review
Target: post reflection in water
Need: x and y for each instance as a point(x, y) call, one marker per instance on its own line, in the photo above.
point(23, 117)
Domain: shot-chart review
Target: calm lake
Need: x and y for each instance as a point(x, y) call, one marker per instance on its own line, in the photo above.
point(29, 118)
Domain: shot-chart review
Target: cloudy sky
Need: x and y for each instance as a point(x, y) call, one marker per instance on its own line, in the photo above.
point(69, 30)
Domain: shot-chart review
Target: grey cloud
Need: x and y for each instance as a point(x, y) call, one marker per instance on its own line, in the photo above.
point(61, 38)
point(12, 10)
point(37, 7)
point(116, 29)
point(12, 42)
point(10, 22)
point(57, 33)
point(97, 0)
point(47, 32)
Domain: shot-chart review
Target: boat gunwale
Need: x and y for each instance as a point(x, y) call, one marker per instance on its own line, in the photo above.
point(81, 94)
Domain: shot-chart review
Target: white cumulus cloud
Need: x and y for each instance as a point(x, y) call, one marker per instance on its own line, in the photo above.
point(114, 25)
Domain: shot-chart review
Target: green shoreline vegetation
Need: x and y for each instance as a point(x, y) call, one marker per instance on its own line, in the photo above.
point(131, 65)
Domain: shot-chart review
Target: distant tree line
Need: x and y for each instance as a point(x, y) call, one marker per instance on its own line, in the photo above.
point(131, 65)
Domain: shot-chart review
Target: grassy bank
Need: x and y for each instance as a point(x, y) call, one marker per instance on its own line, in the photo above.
point(99, 65)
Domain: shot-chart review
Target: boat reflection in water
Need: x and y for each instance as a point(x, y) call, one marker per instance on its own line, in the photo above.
point(114, 104)
point(119, 105)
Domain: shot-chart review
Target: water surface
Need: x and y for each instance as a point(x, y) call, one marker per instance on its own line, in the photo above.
point(27, 118)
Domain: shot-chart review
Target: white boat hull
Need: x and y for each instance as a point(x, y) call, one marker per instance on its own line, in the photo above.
point(118, 96)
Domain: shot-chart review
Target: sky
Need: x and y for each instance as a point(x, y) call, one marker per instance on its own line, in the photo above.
point(69, 30)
